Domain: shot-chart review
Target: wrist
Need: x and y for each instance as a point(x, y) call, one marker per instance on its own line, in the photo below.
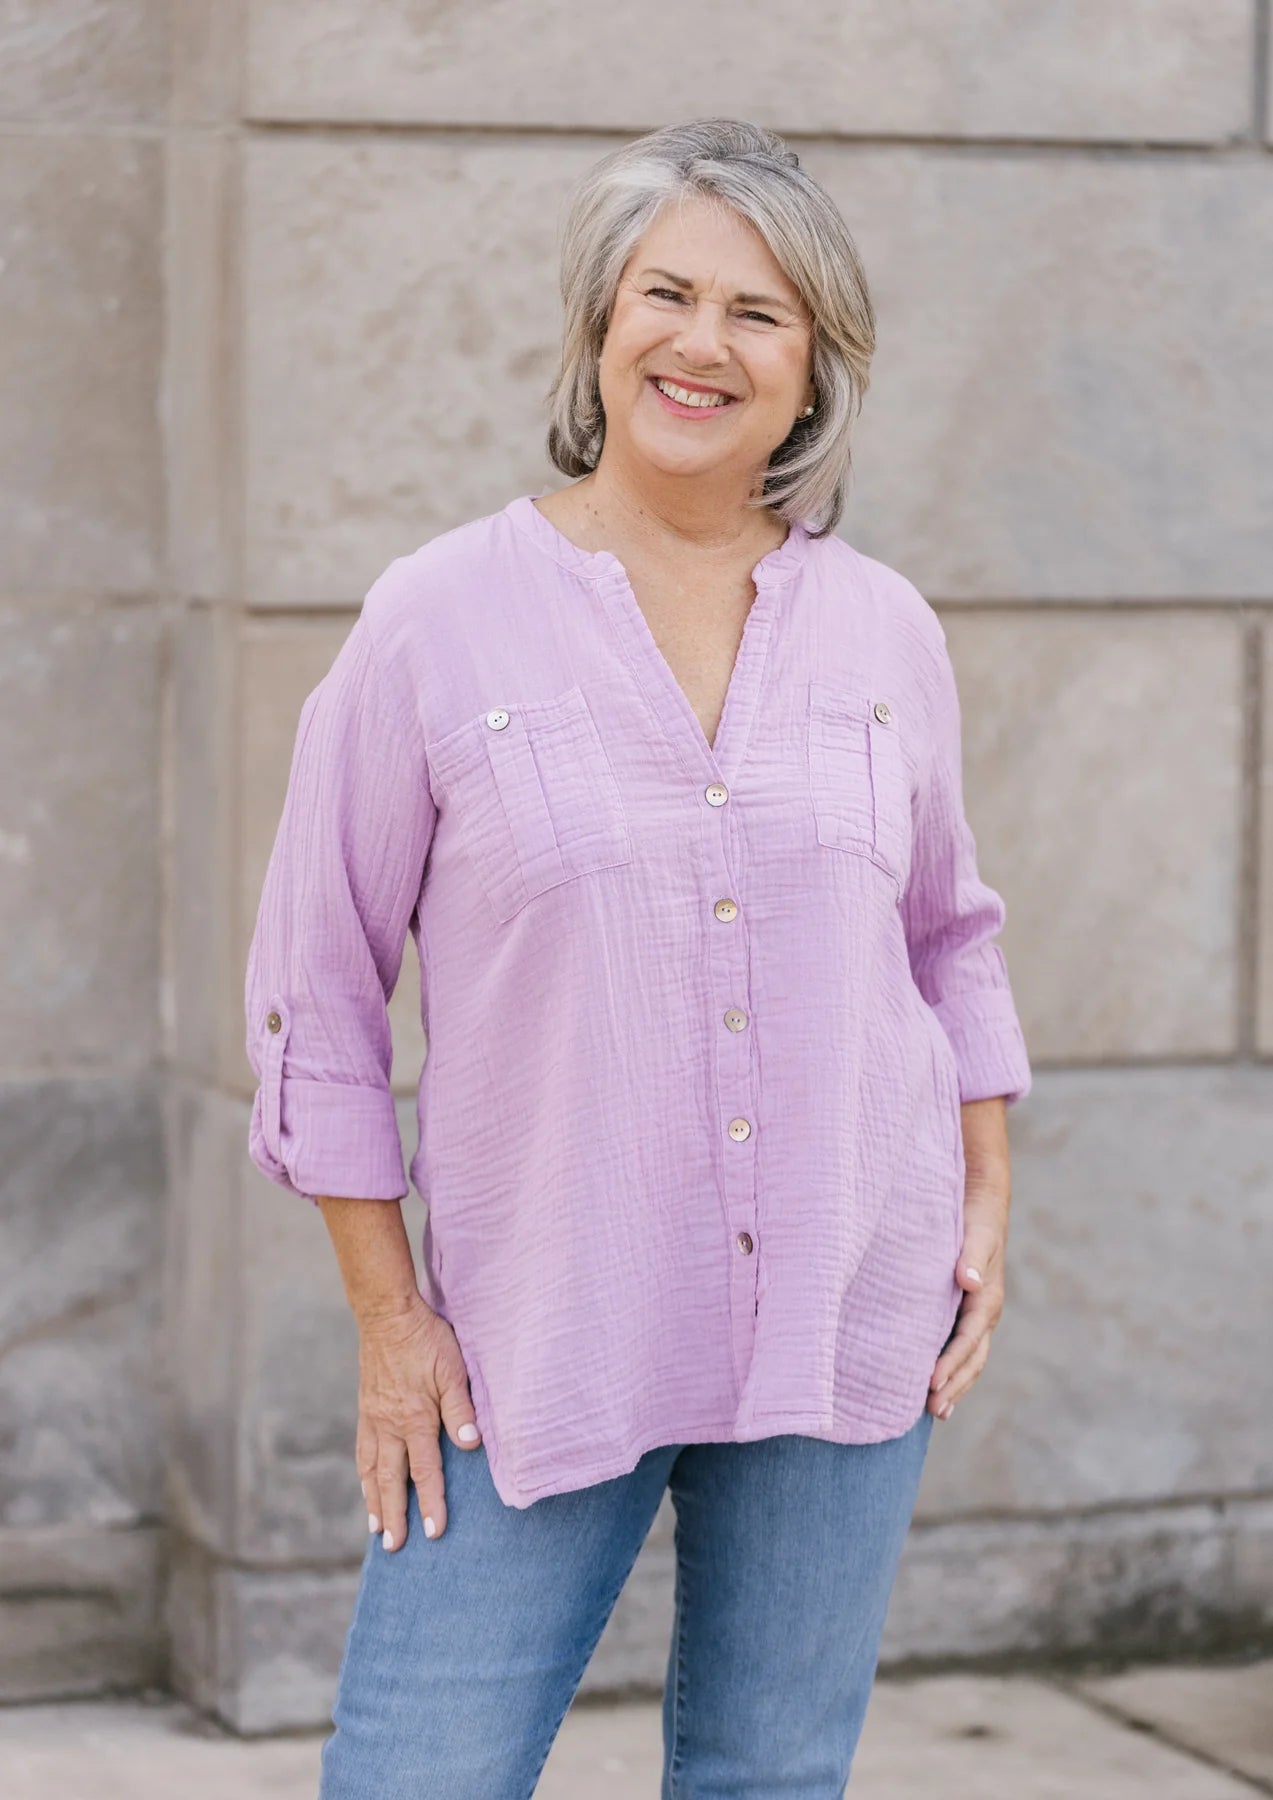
point(386, 1312)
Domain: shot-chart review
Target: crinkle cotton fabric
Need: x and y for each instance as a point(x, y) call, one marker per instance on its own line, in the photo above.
point(699, 1018)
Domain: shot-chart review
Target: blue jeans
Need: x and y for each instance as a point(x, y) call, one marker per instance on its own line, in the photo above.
point(465, 1651)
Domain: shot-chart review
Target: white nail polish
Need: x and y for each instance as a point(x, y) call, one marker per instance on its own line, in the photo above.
point(973, 1274)
point(468, 1434)
point(430, 1529)
point(373, 1523)
point(387, 1540)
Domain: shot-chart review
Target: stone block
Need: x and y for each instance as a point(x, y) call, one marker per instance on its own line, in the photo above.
point(80, 456)
point(1152, 1582)
point(81, 1217)
point(202, 375)
point(1176, 70)
point(207, 57)
point(1253, 1566)
point(263, 1351)
point(1077, 427)
point(1103, 780)
point(1140, 1248)
point(259, 1648)
point(80, 61)
point(79, 1611)
point(203, 1009)
point(79, 911)
point(401, 333)
point(262, 1647)
point(1059, 402)
point(206, 1138)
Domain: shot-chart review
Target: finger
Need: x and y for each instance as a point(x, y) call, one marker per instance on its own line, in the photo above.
point(391, 1480)
point(959, 1384)
point(952, 1359)
point(425, 1457)
point(455, 1402)
point(977, 1316)
point(979, 1255)
point(365, 1461)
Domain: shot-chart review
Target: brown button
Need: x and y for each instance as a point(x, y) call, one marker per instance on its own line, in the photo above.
point(736, 1018)
point(726, 909)
point(274, 1022)
point(739, 1129)
point(743, 1240)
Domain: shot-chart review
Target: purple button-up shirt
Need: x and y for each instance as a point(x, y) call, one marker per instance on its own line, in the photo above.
point(699, 1017)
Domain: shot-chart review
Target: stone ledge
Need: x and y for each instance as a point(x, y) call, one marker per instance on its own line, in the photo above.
point(261, 1648)
point(1176, 71)
point(79, 1612)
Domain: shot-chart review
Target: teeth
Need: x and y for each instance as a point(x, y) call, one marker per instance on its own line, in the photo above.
point(686, 398)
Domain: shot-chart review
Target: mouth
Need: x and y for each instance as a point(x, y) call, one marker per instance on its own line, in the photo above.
point(690, 400)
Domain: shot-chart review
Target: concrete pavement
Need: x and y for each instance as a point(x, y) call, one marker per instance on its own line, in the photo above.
point(1175, 1732)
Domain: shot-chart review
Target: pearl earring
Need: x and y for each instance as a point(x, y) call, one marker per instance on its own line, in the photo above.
point(807, 410)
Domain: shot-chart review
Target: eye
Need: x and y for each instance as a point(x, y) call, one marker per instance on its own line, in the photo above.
point(671, 293)
point(760, 315)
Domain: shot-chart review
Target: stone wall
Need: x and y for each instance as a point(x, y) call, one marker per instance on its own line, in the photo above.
point(283, 280)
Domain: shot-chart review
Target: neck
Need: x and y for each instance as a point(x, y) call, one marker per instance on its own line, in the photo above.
point(658, 514)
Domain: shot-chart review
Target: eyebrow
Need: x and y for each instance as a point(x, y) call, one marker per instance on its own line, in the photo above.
point(745, 299)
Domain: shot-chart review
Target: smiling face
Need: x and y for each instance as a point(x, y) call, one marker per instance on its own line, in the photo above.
point(704, 309)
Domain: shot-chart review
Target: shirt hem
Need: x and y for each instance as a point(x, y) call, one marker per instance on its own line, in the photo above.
point(836, 1427)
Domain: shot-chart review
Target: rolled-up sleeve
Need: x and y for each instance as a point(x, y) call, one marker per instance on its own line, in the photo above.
point(952, 918)
point(338, 897)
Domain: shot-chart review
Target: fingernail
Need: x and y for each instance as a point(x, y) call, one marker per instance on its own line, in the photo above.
point(363, 1486)
point(387, 1540)
point(373, 1523)
point(939, 1385)
point(973, 1274)
point(948, 1409)
point(430, 1529)
point(468, 1434)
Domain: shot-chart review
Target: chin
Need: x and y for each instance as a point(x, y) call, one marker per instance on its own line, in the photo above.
point(672, 458)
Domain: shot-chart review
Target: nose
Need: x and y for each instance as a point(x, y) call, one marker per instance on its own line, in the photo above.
point(700, 339)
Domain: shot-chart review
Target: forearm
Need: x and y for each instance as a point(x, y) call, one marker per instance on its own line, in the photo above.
point(370, 1241)
point(986, 1154)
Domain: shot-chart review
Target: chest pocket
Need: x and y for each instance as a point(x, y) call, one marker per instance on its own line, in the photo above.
point(534, 797)
point(859, 778)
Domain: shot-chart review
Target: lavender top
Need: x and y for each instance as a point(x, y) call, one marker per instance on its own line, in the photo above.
point(699, 1018)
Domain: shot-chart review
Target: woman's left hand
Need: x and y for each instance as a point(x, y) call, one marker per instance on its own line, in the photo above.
point(980, 1272)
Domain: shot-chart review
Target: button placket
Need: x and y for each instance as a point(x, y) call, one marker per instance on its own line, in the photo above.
point(730, 987)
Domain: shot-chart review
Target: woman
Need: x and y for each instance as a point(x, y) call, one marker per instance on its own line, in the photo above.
point(664, 779)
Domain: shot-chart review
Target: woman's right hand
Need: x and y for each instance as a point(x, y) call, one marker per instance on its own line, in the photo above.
point(411, 1380)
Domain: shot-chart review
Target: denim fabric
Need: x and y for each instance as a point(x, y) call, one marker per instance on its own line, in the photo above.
point(465, 1651)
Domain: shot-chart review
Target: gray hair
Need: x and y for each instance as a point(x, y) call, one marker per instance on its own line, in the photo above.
point(755, 172)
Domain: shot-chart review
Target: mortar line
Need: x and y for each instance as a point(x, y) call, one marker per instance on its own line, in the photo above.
point(1238, 147)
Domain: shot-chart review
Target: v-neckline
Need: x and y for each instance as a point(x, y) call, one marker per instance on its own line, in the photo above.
point(665, 693)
